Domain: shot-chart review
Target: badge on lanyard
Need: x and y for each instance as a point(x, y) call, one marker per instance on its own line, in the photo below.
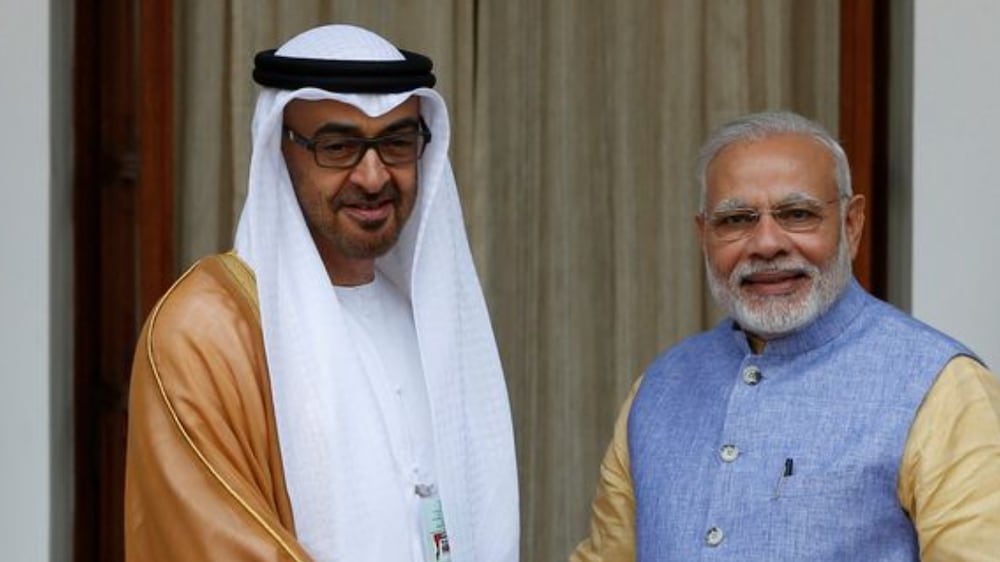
point(433, 534)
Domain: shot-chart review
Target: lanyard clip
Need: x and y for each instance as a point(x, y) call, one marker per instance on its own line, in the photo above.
point(425, 490)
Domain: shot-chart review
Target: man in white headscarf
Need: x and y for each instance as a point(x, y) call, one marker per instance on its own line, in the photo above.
point(331, 389)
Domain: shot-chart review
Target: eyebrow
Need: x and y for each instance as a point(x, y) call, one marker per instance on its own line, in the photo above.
point(798, 197)
point(729, 205)
point(739, 204)
point(404, 123)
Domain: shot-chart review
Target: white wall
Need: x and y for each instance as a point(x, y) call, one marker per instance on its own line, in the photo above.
point(956, 171)
point(35, 441)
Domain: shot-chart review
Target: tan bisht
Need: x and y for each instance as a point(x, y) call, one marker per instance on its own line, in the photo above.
point(204, 474)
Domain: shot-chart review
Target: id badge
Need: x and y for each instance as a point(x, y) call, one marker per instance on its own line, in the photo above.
point(433, 534)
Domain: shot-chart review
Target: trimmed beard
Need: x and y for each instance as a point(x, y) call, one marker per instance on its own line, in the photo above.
point(372, 243)
point(771, 317)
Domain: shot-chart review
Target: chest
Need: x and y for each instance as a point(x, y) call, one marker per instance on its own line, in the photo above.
point(750, 457)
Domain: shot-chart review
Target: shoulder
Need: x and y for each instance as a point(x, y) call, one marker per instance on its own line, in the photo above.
point(965, 383)
point(907, 333)
point(215, 288)
point(216, 296)
point(206, 326)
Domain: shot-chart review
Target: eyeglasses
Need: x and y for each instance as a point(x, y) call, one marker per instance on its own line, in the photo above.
point(336, 150)
point(736, 224)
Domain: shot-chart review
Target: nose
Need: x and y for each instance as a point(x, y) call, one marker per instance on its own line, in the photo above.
point(768, 240)
point(370, 173)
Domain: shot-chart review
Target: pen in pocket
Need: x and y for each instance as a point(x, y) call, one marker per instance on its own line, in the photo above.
point(786, 472)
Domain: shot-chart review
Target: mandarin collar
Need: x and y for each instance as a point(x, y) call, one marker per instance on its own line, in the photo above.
point(830, 324)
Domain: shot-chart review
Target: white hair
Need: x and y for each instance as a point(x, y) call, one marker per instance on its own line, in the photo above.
point(758, 126)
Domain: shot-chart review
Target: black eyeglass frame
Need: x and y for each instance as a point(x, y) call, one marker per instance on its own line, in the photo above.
point(365, 143)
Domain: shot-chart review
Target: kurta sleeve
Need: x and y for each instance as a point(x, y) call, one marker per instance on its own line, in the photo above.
point(949, 479)
point(612, 524)
point(204, 479)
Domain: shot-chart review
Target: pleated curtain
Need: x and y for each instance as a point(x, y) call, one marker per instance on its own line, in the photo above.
point(575, 129)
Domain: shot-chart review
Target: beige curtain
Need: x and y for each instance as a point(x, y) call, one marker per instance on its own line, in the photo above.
point(576, 124)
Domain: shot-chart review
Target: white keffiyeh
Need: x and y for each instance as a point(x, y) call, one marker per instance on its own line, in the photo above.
point(346, 492)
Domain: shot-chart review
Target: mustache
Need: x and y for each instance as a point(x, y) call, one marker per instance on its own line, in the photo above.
point(354, 196)
point(781, 265)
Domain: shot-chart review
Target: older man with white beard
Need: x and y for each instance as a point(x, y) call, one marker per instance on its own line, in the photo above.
point(816, 422)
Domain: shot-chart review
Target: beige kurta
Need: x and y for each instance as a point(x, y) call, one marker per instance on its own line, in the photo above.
point(204, 478)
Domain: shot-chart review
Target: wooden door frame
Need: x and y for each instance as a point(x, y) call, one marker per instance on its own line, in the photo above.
point(123, 238)
point(156, 233)
point(864, 118)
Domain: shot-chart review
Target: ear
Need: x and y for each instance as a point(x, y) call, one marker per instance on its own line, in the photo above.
point(854, 222)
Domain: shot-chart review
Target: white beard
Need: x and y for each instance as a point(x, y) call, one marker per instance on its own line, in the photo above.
point(775, 316)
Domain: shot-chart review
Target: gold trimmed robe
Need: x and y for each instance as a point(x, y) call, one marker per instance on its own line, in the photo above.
point(204, 478)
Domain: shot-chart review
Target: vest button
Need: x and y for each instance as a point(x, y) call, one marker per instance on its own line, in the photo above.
point(751, 375)
point(714, 536)
point(729, 452)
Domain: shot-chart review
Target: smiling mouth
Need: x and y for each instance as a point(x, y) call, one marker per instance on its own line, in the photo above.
point(369, 213)
point(774, 282)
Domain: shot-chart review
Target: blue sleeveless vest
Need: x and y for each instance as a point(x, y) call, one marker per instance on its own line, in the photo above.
point(792, 454)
